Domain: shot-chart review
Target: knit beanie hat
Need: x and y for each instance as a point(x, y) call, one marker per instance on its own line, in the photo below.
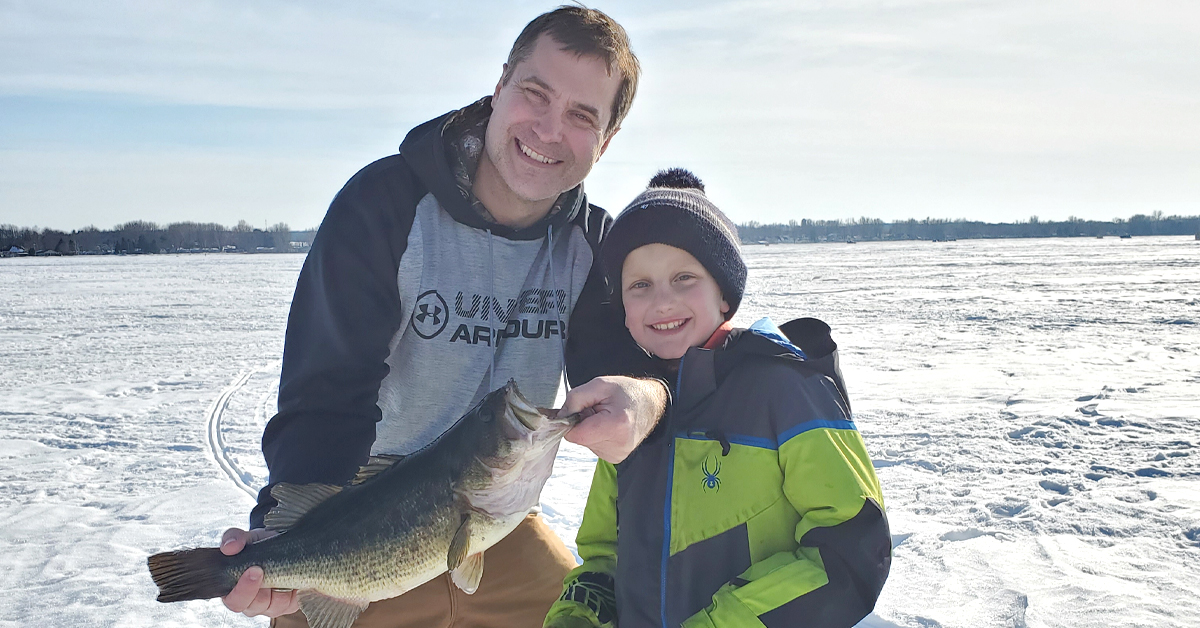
point(674, 211)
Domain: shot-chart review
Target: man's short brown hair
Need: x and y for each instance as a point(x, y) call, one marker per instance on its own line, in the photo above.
point(589, 32)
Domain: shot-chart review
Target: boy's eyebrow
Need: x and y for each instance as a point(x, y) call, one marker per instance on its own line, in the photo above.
point(546, 86)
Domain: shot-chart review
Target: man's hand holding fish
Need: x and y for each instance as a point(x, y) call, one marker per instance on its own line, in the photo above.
point(619, 412)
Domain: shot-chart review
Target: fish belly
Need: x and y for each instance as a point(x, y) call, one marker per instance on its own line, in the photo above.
point(487, 531)
point(377, 570)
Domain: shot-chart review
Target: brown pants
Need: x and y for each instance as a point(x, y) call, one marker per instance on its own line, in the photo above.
point(522, 576)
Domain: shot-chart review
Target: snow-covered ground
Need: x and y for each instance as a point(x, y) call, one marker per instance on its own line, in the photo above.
point(1031, 406)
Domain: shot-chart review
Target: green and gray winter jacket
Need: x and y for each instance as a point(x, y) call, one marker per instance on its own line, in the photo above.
point(754, 503)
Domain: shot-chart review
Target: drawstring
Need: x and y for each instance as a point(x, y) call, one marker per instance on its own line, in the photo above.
point(492, 288)
point(719, 436)
point(562, 343)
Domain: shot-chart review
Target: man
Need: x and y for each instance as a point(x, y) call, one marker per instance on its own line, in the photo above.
point(443, 271)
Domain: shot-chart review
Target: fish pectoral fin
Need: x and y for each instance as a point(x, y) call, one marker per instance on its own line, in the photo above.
point(323, 611)
point(469, 573)
point(375, 465)
point(459, 544)
point(295, 500)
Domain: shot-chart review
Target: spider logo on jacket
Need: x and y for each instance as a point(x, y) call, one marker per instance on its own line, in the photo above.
point(711, 481)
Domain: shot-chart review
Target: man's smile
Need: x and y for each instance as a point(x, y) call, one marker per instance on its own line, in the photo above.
point(534, 155)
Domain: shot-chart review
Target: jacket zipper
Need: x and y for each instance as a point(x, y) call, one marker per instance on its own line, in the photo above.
point(666, 548)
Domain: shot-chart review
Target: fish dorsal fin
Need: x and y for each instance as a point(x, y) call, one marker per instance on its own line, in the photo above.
point(468, 573)
point(295, 500)
point(323, 611)
point(375, 465)
point(459, 544)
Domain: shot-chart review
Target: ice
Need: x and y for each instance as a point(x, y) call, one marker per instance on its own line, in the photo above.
point(1030, 406)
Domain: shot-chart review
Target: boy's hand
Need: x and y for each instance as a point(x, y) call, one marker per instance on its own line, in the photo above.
point(619, 412)
point(248, 597)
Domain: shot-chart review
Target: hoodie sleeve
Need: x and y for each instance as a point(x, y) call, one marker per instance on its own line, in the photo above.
point(597, 341)
point(589, 599)
point(833, 579)
point(343, 316)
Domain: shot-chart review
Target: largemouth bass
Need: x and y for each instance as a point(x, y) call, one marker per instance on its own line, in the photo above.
point(401, 522)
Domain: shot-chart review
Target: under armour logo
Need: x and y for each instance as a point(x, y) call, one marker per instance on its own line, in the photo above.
point(430, 314)
point(425, 313)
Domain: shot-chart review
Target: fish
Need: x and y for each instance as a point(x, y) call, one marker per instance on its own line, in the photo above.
point(401, 522)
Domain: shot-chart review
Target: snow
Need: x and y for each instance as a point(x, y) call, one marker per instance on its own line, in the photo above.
point(1030, 406)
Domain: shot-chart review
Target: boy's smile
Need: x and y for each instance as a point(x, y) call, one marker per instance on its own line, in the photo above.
point(671, 301)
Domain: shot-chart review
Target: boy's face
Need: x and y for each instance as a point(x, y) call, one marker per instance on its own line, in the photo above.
point(671, 302)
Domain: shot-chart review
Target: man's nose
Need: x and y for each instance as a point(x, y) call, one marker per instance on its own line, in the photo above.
point(549, 126)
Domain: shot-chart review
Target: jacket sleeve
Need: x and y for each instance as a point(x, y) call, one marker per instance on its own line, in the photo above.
point(343, 316)
point(835, 576)
point(588, 599)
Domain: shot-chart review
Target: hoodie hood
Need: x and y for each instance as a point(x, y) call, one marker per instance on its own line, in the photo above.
point(429, 150)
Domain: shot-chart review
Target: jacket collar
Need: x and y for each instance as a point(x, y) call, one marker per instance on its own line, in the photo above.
point(702, 370)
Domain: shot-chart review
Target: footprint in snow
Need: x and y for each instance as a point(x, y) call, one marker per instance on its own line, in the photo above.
point(964, 535)
point(1051, 485)
point(1010, 507)
point(1151, 472)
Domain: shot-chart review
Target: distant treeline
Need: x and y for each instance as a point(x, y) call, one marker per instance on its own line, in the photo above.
point(140, 237)
point(938, 229)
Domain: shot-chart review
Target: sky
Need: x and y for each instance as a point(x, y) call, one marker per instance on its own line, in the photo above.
point(220, 111)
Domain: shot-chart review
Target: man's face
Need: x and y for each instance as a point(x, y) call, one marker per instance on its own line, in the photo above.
point(548, 122)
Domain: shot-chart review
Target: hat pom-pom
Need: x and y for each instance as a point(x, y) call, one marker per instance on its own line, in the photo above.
point(677, 178)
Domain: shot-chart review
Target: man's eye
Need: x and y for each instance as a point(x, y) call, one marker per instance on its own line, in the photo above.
point(535, 94)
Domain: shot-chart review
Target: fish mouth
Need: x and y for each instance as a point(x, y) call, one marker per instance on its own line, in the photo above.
point(524, 412)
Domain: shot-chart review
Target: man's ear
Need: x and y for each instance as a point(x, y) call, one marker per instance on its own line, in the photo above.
point(500, 83)
point(604, 146)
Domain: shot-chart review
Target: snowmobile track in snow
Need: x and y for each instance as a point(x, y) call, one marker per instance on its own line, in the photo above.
point(216, 442)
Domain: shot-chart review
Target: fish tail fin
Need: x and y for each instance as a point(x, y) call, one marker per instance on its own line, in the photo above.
point(195, 574)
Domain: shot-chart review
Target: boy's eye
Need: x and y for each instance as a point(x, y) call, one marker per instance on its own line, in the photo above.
point(685, 277)
point(639, 284)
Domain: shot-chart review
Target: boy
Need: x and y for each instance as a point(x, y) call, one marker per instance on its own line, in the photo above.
point(754, 502)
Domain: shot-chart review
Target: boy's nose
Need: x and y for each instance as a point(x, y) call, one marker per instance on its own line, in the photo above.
point(663, 302)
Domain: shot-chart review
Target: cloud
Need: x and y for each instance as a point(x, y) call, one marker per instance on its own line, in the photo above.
point(820, 109)
point(264, 54)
